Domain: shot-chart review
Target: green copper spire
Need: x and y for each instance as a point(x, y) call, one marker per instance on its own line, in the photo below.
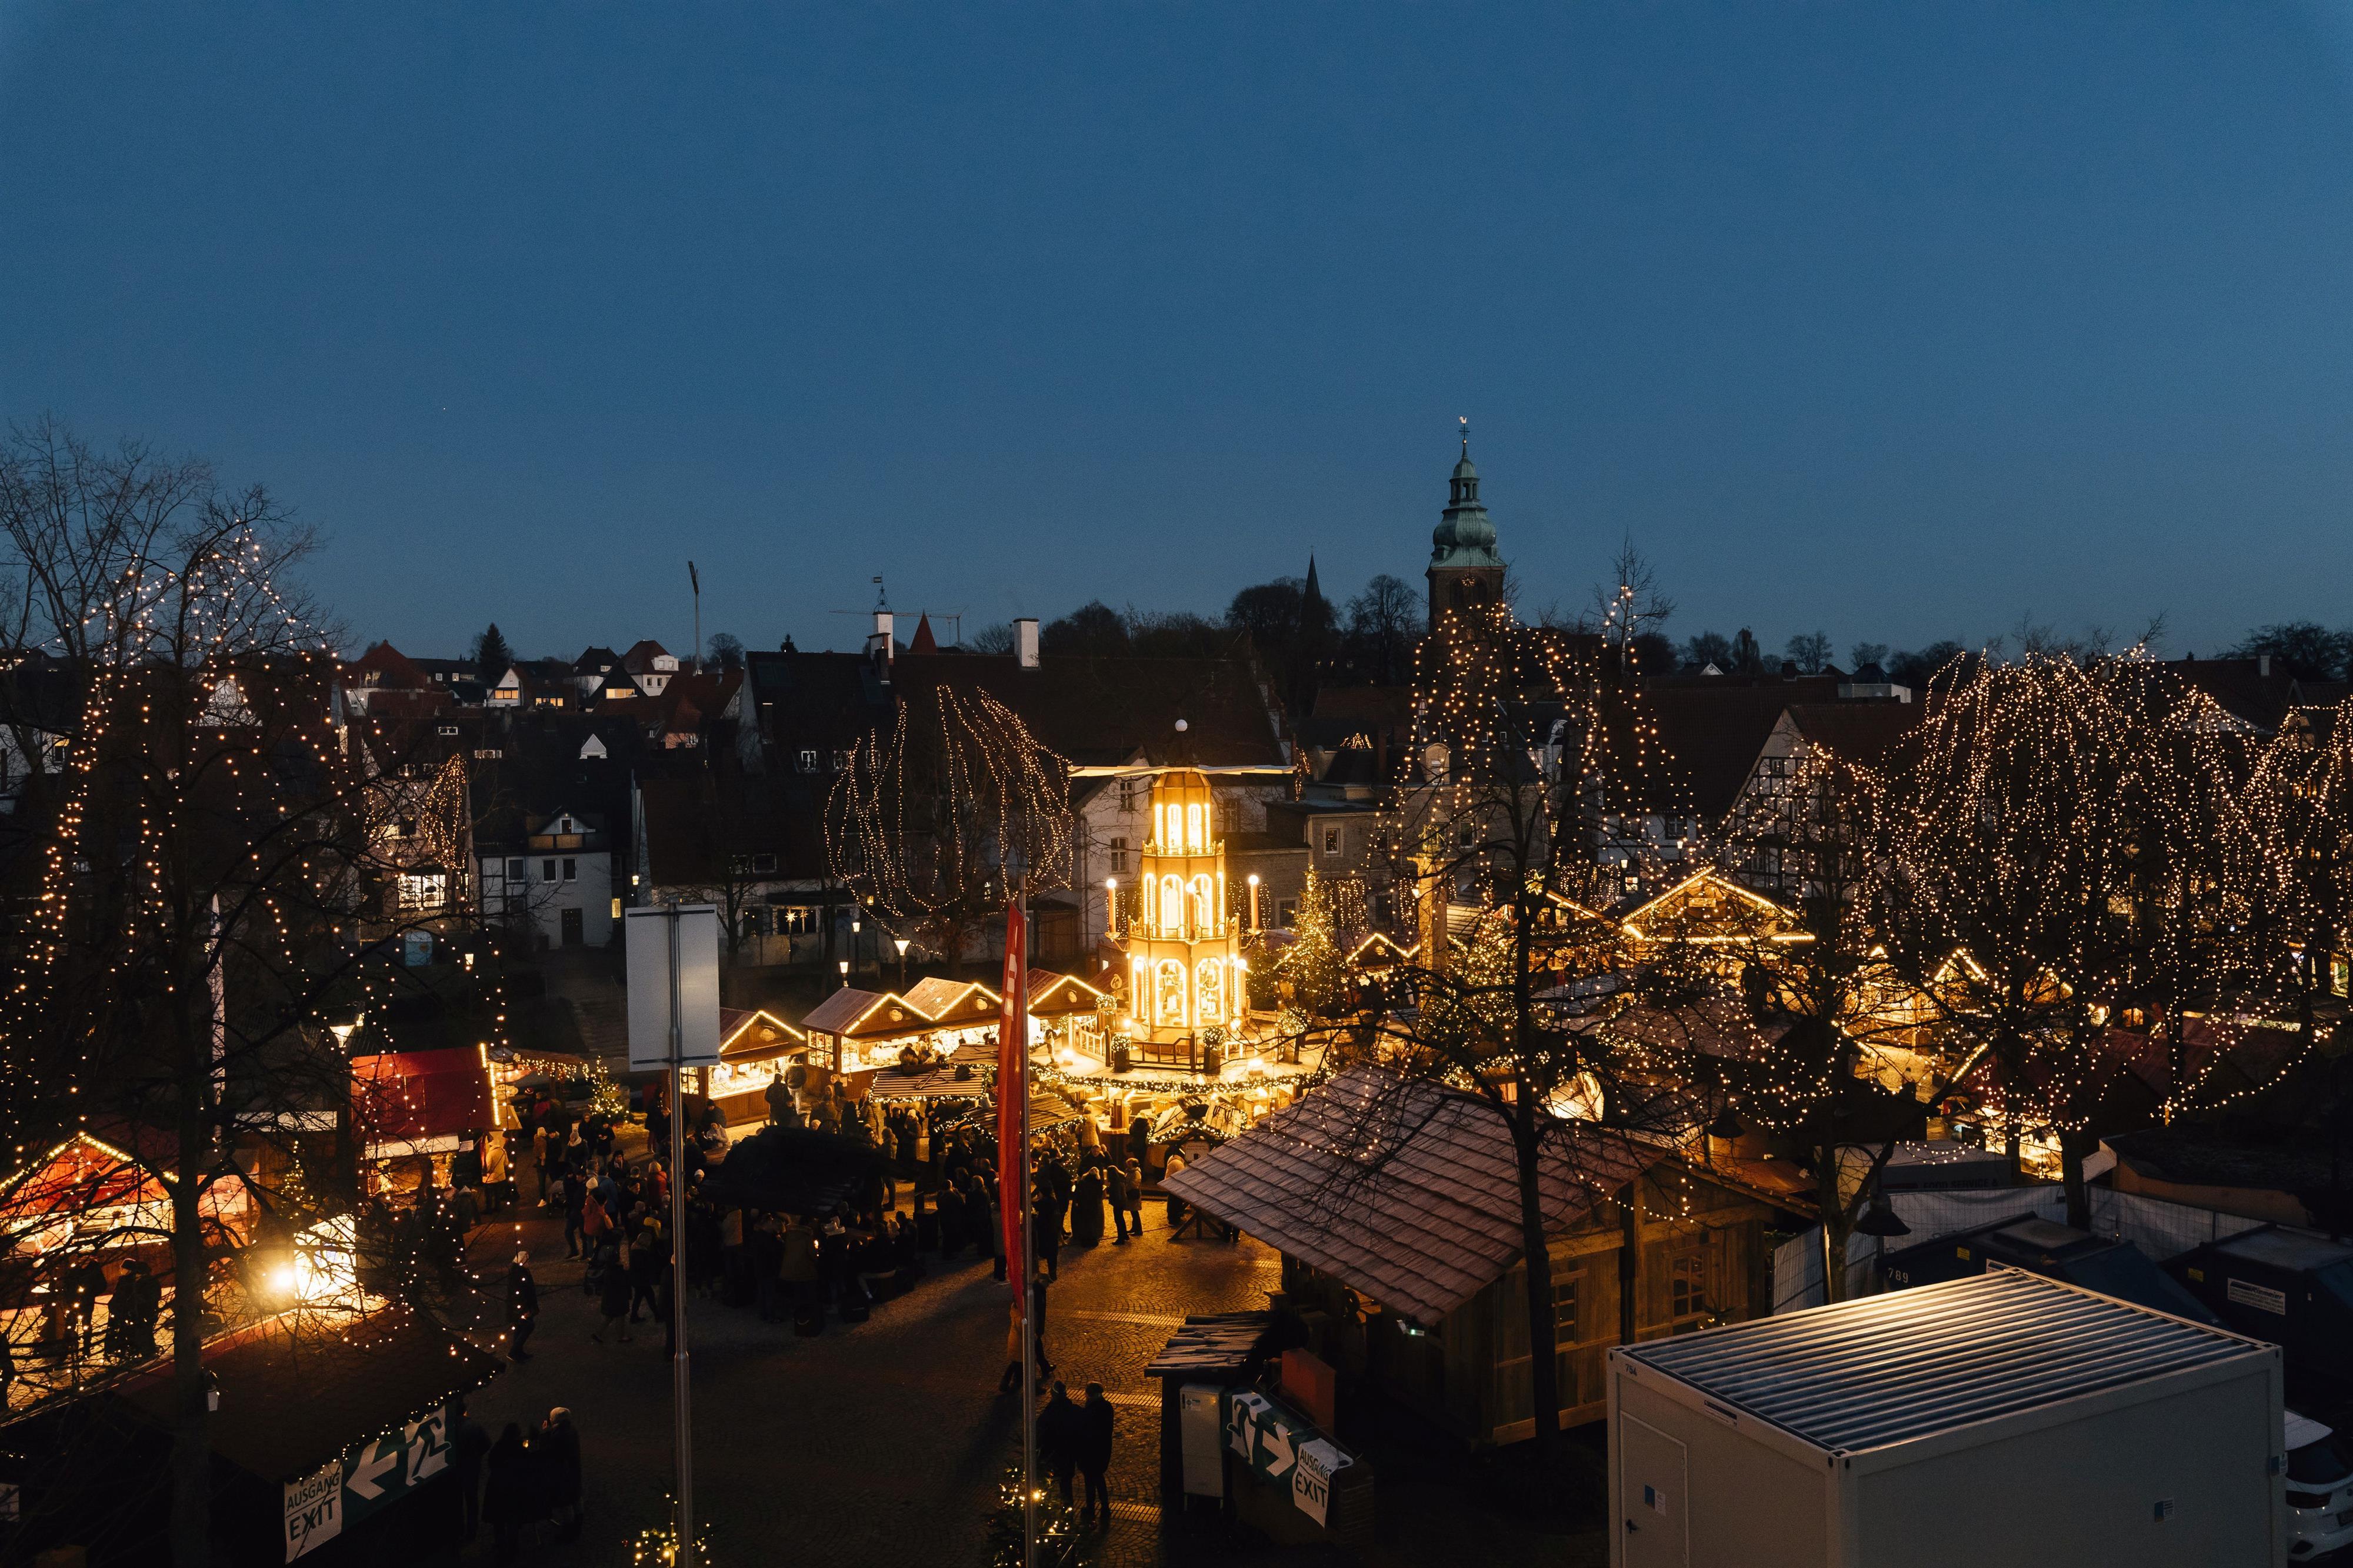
point(1463, 537)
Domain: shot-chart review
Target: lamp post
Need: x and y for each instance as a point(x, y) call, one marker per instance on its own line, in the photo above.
point(1879, 1222)
point(901, 944)
point(844, 966)
point(853, 934)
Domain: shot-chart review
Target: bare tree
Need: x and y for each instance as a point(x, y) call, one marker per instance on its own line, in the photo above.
point(2072, 862)
point(935, 821)
point(1823, 1056)
point(1525, 741)
point(1631, 604)
point(213, 885)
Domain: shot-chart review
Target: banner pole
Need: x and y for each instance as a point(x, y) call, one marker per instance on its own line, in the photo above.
point(685, 1437)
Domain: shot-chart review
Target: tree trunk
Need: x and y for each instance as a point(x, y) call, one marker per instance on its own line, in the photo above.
point(1544, 1362)
point(1838, 1225)
point(191, 1524)
point(2072, 1147)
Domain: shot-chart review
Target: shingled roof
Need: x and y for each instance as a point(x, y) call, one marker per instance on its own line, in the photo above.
point(1404, 1191)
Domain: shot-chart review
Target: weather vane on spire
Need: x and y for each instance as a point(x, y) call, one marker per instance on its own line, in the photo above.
point(1465, 420)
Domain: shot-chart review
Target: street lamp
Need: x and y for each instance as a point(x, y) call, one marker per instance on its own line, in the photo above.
point(901, 944)
point(854, 936)
point(844, 966)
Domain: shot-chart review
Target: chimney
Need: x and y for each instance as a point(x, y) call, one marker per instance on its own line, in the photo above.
point(2263, 665)
point(1025, 642)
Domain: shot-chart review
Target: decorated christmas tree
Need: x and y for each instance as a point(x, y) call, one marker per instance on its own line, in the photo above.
point(1314, 967)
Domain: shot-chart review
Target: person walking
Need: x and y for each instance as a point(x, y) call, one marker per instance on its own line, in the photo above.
point(1095, 1428)
point(1135, 1199)
point(575, 1197)
point(992, 1219)
point(1115, 1193)
point(523, 1307)
point(1174, 1166)
point(1046, 1236)
point(1060, 1429)
point(613, 1303)
point(799, 1271)
point(469, 1444)
point(560, 1472)
point(506, 1499)
point(642, 1247)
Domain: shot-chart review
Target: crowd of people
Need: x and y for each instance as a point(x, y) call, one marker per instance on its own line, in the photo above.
point(523, 1482)
point(931, 1199)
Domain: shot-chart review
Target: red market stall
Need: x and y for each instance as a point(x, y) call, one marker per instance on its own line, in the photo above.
point(419, 1107)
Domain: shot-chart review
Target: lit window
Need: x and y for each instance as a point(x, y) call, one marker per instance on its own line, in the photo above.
point(809, 760)
point(1169, 992)
point(1209, 988)
point(1687, 1287)
point(423, 889)
point(1331, 841)
point(616, 909)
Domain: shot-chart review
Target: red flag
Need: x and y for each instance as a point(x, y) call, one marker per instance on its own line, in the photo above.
point(1012, 1105)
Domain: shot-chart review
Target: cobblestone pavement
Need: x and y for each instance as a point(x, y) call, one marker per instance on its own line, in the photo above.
point(879, 1444)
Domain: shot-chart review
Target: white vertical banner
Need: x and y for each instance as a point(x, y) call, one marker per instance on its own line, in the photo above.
point(647, 933)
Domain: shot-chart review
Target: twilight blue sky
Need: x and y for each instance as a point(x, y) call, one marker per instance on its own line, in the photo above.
point(1896, 321)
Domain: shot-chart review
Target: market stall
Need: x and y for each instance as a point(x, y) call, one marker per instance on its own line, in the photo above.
point(755, 1047)
point(414, 1110)
point(517, 1073)
point(857, 1031)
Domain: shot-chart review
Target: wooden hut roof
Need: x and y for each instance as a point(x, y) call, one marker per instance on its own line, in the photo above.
point(1404, 1191)
point(958, 1000)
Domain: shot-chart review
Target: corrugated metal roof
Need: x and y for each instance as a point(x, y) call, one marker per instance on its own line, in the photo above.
point(1888, 1369)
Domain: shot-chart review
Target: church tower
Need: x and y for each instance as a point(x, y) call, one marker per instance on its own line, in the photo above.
point(1464, 570)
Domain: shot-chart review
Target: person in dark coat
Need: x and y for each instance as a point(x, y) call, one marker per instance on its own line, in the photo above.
point(613, 1302)
point(469, 1444)
point(952, 1224)
point(506, 1499)
point(575, 1195)
point(559, 1446)
point(523, 1307)
point(1095, 1427)
point(1086, 1207)
point(1062, 1429)
point(1045, 1238)
point(1139, 1142)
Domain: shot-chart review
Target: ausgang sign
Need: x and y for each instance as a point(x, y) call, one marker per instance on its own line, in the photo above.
point(363, 1480)
point(1282, 1448)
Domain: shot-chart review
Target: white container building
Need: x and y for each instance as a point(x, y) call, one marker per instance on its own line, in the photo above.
point(2005, 1418)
